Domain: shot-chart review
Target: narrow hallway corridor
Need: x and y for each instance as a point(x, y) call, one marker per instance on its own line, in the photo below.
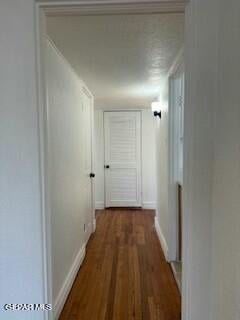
point(124, 275)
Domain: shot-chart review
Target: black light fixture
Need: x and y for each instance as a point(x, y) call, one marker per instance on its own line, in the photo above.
point(156, 109)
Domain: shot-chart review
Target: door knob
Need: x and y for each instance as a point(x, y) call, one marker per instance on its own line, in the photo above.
point(107, 166)
point(92, 175)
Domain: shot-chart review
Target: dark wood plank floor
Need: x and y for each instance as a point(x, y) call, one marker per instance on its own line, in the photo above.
point(124, 275)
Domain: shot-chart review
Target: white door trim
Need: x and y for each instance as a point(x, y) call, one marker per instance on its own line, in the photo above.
point(81, 7)
point(93, 166)
point(172, 187)
point(42, 9)
point(43, 154)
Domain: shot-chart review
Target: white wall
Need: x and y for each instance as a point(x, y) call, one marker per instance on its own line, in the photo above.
point(21, 258)
point(148, 159)
point(211, 221)
point(67, 164)
point(166, 195)
point(198, 152)
point(162, 168)
point(212, 170)
point(226, 172)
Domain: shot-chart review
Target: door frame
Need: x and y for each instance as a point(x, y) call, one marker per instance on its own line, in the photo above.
point(41, 36)
point(44, 8)
point(172, 158)
point(104, 146)
point(90, 96)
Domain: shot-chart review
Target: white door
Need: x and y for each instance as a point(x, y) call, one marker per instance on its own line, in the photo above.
point(122, 159)
point(87, 109)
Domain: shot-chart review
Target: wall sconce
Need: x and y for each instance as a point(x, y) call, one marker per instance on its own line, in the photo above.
point(156, 109)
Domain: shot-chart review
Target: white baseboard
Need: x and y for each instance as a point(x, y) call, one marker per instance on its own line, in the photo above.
point(94, 224)
point(67, 285)
point(161, 238)
point(176, 276)
point(99, 205)
point(149, 205)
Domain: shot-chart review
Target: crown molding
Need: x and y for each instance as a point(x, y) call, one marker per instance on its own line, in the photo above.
point(53, 8)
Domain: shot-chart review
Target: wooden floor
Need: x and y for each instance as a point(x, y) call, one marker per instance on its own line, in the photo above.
point(124, 275)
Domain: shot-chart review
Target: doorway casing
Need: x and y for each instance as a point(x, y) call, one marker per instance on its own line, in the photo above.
point(50, 8)
point(173, 157)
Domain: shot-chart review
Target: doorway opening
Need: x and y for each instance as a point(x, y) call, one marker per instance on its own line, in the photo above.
point(134, 99)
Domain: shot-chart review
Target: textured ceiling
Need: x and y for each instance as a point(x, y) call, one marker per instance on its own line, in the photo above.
point(122, 58)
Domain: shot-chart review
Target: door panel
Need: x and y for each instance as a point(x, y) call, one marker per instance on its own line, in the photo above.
point(123, 156)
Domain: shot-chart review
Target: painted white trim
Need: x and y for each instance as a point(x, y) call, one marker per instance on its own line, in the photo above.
point(149, 205)
point(178, 66)
point(161, 237)
point(67, 285)
point(93, 181)
point(94, 224)
point(121, 109)
point(53, 8)
point(70, 67)
point(178, 61)
point(99, 205)
point(43, 154)
point(176, 278)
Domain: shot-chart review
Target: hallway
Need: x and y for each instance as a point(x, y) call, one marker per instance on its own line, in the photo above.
point(124, 275)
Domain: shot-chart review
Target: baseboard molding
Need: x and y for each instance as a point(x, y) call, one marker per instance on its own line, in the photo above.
point(161, 238)
point(94, 224)
point(176, 276)
point(99, 205)
point(67, 285)
point(149, 205)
